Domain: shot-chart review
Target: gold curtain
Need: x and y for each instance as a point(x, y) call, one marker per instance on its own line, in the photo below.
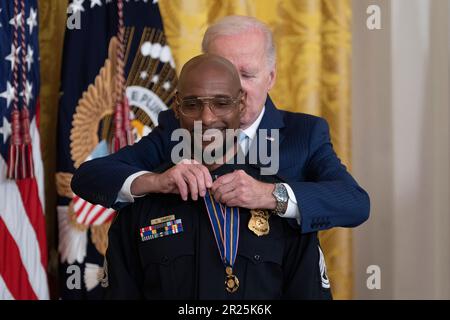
point(313, 41)
point(52, 22)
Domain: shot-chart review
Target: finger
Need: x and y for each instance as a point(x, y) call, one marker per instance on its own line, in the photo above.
point(226, 178)
point(197, 172)
point(192, 183)
point(231, 198)
point(207, 176)
point(182, 186)
point(224, 190)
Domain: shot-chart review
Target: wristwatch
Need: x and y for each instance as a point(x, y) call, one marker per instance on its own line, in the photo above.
point(281, 195)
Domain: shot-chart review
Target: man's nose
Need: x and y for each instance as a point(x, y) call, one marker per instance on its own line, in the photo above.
point(208, 116)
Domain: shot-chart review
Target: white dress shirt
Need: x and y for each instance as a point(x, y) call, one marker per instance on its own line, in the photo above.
point(292, 210)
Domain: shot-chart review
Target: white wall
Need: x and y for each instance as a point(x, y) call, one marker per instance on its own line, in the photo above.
point(401, 147)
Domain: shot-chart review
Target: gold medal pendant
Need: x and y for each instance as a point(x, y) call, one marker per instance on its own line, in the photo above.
point(231, 281)
point(259, 222)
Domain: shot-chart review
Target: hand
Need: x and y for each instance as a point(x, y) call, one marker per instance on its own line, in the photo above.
point(238, 189)
point(187, 177)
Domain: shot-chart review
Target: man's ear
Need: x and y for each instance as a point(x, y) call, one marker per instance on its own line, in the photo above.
point(272, 77)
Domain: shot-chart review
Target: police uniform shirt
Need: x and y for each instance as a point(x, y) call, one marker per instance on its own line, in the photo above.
point(283, 264)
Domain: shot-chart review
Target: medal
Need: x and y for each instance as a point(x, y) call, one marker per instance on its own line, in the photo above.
point(225, 225)
point(259, 222)
point(231, 281)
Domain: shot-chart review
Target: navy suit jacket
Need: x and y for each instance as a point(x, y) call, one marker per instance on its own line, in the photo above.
point(327, 195)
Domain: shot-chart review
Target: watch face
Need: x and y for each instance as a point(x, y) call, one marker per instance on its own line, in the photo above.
point(280, 193)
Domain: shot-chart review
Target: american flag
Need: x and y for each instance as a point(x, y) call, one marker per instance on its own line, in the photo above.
point(90, 214)
point(85, 118)
point(23, 248)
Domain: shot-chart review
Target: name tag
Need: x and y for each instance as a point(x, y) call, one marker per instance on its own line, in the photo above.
point(162, 219)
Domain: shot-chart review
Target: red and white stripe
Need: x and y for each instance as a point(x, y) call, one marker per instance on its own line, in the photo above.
point(23, 249)
point(90, 214)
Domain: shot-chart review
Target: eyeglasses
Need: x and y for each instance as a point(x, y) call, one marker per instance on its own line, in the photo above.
point(219, 106)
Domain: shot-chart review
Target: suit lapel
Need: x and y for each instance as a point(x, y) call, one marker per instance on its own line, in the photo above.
point(271, 120)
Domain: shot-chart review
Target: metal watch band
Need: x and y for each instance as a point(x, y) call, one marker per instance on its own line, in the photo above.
point(281, 195)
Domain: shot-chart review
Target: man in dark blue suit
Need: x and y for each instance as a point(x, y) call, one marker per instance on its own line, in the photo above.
point(319, 193)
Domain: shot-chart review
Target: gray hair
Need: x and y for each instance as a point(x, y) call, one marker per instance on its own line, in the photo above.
point(232, 25)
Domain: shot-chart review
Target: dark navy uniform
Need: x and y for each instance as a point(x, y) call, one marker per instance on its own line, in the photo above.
point(283, 264)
